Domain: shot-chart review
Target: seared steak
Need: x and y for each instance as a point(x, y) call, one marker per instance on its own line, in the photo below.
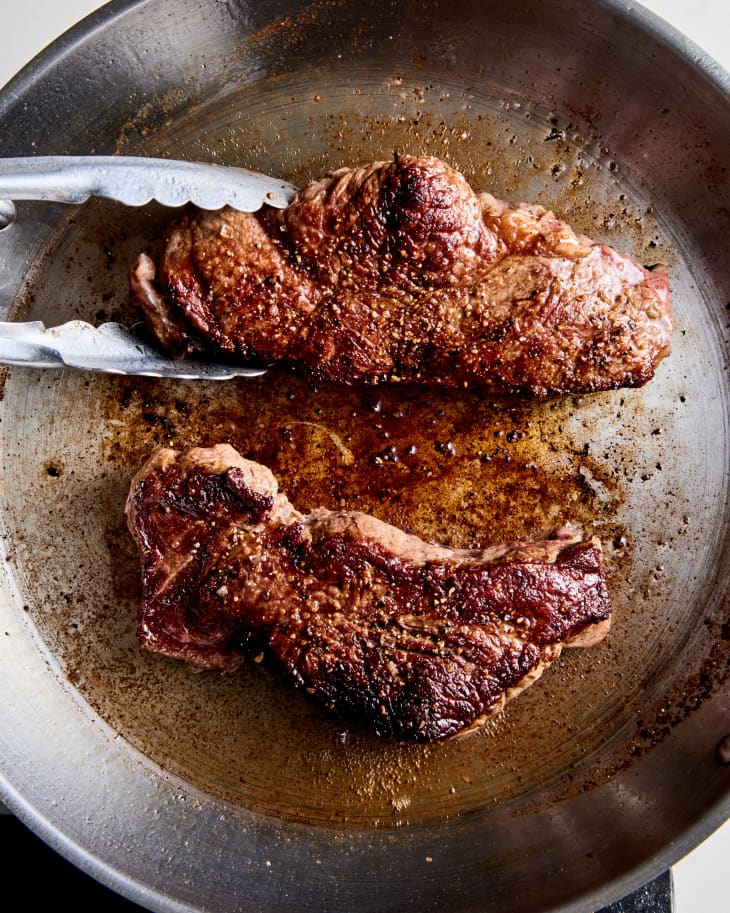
point(418, 641)
point(398, 271)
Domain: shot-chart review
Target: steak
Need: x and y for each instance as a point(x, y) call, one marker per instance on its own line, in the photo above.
point(398, 271)
point(417, 641)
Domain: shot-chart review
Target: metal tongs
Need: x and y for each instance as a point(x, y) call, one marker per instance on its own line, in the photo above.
point(135, 181)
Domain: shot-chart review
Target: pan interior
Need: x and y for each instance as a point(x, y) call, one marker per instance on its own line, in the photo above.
point(642, 469)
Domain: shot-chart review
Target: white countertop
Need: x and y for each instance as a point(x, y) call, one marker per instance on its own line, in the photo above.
point(701, 879)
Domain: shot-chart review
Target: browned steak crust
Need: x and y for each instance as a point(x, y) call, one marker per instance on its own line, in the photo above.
point(398, 271)
point(418, 641)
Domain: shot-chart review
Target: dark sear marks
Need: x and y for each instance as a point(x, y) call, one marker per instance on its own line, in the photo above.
point(393, 272)
point(398, 271)
point(418, 641)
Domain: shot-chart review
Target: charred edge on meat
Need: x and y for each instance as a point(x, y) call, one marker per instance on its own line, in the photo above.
point(398, 272)
point(417, 641)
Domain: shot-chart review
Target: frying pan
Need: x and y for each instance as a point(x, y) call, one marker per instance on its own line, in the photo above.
point(188, 791)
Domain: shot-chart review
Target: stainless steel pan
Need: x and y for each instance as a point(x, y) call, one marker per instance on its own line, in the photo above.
point(191, 791)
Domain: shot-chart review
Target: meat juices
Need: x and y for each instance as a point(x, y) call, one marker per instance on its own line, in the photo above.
point(417, 641)
point(398, 271)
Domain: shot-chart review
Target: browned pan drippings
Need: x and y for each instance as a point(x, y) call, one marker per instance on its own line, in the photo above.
point(458, 468)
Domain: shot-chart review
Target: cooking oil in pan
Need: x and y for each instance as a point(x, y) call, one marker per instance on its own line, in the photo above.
point(459, 468)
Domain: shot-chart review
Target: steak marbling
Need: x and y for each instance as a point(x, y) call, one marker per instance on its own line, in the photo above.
point(398, 271)
point(418, 641)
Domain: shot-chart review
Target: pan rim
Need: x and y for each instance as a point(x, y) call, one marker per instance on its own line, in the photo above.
point(11, 94)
